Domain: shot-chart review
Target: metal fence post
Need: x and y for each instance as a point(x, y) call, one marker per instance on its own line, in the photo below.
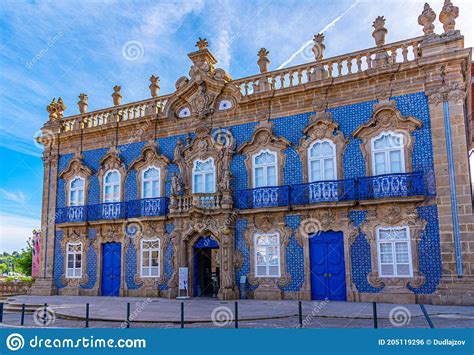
point(182, 314)
point(87, 315)
point(128, 314)
point(45, 313)
point(300, 313)
point(1, 312)
point(236, 314)
point(374, 309)
point(22, 314)
point(427, 316)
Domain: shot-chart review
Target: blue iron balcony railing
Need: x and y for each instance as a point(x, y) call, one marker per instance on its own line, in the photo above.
point(113, 210)
point(71, 214)
point(391, 185)
point(261, 197)
point(323, 191)
point(148, 207)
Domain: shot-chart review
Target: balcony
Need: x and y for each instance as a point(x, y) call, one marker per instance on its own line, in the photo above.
point(106, 211)
point(391, 185)
point(148, 207)
point(263, 197)
point(71, 214)
point(323, 191)
point(205, 201)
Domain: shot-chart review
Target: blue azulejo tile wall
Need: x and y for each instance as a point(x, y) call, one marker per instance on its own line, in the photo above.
point(58, 266)
point(294, 256)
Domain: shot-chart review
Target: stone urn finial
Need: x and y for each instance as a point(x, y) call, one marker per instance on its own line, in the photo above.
point(117, 95)
point(426, 19)
point(263, 60)
point(154, 85)
point(51, 108)
point(448, 16)
point(202, 44)
point(318, 47)
point(82, 103)
point(379, 31)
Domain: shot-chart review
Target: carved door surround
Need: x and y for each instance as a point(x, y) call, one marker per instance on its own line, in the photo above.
point(222, 233)
point(394, 215)
point(386, 117)
point(112, 161)
point(322, 127)
point(76, 167)
point(323, 220)
point(150, 157)
point(268, 287)
point(263, 138)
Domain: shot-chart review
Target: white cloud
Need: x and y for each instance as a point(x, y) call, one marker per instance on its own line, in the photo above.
point(15, 231)
point(17, 197)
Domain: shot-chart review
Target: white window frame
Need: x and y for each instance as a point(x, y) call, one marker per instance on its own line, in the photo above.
point(203, 174)
point(321, 161)
point(149, 251)
point(265, 169)
point(76, 189)
point(105, 184)
point(387, 152)
point(267, 274)
point(73, 255)
point(151, 180)
point(393, 242)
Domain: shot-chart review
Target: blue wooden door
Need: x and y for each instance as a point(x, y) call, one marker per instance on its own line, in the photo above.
point(111, 265)
point(328, 276)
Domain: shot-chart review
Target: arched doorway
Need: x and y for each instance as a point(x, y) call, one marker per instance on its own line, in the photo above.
point(206, 267)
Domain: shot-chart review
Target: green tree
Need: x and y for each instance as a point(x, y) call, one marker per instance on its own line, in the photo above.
point(3, 268)
point(23, 262)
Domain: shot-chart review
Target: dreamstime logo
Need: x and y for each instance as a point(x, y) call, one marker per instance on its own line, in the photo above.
point(133, 50)
point(46, 137)
point(15, 342)
point(399, 316)
point(310, 227)
point(223, 137)
point(133, 228)
point(44, 316)
point(222, 316)
point(307, 53)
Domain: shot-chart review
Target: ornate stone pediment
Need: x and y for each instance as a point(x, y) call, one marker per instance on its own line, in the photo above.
point(322, 127)
point(263, 138)
point(387, 118)
point(76, 167)
point(112, 161)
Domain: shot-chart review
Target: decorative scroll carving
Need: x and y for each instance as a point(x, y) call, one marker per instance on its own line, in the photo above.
point(75, 235)
point(392, 215)
point(112, 161)
point(452, 92)
point(386, 117)
point(202, 102)
point(263, 138)
point(448, 16)
point(426, 19)
point(150, 157)
point(266, 224)
point(322, 127)
point(56, 109)
point(76, 167)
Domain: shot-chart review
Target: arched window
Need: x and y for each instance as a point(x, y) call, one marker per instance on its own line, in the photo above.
point(267, 255)
point(112, 186)
point(322, 161)
point(151, 182)
point(265, 169)
point(150, 258)
point(74, 260)
point(204, 176)
point(76, 191)
point(388, 154)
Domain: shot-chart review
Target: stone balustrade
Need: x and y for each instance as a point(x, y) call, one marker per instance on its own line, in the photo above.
point(212, 201)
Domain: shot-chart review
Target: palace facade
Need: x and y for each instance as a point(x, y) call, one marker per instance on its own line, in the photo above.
point(344, 178)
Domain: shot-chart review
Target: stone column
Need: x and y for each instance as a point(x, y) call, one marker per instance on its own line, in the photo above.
point(227, 289)
point(446, 95)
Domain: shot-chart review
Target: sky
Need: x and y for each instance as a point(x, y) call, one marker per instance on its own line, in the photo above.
point(63, 48)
